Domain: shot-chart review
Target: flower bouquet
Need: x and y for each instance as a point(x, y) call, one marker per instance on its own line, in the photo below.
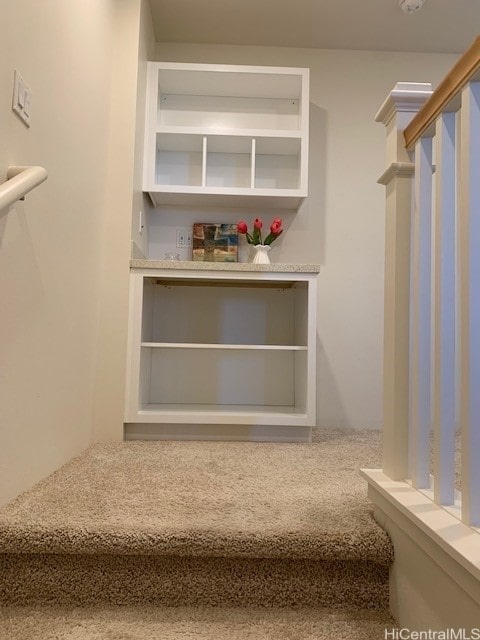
point(262, 246)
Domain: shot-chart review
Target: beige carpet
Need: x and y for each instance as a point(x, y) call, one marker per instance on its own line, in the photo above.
point(123, 580)
point(183, 623)
point(267, 540)
point(216, 499)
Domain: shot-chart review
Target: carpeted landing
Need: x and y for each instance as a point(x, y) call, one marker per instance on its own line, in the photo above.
point(199, 540)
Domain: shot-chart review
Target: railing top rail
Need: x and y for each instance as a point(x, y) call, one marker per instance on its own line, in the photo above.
point(464, 70)
point(20, 180)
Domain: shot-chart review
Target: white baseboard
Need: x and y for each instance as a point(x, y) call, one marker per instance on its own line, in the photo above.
point(245, 433)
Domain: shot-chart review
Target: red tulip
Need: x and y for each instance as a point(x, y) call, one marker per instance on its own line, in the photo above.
point(257, 223)
point(242, 227)
point(277, 221)
point(276, 227)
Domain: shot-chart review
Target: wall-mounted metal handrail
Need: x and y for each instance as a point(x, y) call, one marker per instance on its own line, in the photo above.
point(20, 181)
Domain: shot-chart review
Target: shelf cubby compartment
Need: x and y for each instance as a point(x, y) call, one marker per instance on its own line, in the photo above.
point(179, 159)
point(277, 163)
point(228, 161)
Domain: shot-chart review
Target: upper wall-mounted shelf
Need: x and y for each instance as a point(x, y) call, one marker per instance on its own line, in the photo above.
point(226, 135)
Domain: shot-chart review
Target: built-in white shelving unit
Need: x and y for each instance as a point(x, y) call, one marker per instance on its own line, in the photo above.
point(222, 347)
point(217, 131)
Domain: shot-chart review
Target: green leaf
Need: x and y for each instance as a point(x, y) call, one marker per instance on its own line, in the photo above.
point(271, 237)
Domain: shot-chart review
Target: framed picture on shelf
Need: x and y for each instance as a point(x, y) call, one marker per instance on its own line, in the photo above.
point(215, 242)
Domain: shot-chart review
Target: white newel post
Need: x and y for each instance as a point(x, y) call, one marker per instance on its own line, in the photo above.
point(401, 105)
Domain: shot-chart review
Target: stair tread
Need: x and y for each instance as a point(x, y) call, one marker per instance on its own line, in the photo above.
point(233, 499)
point(175, 623)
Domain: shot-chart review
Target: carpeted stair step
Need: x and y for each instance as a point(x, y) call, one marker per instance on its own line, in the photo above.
point(180, 623)
point(198, 523)
point(173, 581)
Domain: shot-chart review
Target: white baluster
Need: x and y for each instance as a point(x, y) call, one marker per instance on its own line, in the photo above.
point(444, 311)
point(420, 392)
point(469, 263)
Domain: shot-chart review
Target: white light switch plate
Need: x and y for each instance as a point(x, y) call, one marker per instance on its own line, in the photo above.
point(22, 98)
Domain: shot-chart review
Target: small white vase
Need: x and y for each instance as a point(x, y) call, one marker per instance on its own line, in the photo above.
point(261, 254)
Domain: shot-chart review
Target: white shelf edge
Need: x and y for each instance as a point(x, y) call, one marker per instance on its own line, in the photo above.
point(221, 415)
point(229, 68)
point(202, 345)
point(219, 410)
point(247, 200)
point(247, 133)
point(229, 191)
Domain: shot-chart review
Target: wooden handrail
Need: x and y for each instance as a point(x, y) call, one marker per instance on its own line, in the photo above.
point(451, 85)
point(20, 180)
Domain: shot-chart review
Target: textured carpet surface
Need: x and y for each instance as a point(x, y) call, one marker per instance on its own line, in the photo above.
point(172, 581)
point(179, 540)
point(234, 499)
point(184, 623)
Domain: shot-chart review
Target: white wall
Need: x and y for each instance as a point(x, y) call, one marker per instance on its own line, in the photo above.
point(341, 224)
point(141, 202)
point(54, 268)
point(129, 42)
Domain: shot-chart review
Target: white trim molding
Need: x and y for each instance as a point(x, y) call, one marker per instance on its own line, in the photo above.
point(436, 573)
point(397, 170)
point(405, 96)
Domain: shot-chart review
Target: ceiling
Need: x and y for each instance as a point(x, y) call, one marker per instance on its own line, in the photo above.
point(442, 26)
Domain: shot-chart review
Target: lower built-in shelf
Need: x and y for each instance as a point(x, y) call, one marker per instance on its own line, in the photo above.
point(235, 347)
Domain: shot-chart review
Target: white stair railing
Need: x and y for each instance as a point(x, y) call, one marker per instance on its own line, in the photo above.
point(20, 181)
point(432, 303)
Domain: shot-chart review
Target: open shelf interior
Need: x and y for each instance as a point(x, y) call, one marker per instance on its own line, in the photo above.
point(229, 161)
point(223, 344)
point(221, 112)
point(235, 315)
point(181, 376)
point(217, 81)
point(276, 172)
point(179, 159)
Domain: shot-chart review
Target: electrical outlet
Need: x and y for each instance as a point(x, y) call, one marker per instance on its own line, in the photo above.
point(184, 238)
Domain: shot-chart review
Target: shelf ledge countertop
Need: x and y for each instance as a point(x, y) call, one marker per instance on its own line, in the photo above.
point(224, 266)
